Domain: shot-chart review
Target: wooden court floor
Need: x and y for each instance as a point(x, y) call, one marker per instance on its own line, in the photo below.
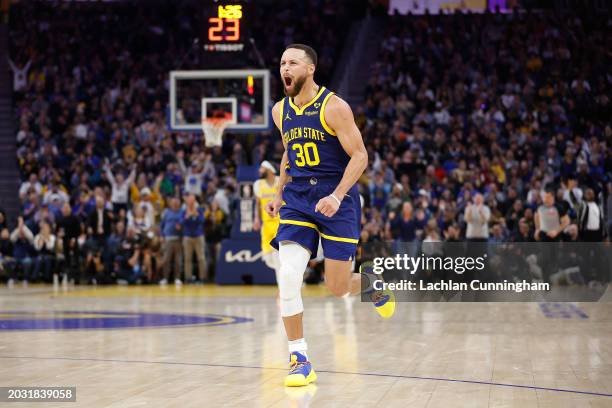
point(210, 346)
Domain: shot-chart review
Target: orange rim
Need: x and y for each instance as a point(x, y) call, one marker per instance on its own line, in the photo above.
point(217, 122)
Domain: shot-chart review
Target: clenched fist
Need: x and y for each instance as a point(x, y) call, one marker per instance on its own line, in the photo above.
point(328, 206)
point(273, 207)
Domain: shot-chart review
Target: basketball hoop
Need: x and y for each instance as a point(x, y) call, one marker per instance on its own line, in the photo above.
point(214, 127)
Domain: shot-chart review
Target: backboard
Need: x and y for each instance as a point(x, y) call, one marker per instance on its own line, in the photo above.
point(244, 93)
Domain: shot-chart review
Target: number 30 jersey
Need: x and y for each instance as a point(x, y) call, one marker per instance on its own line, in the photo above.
point(312, 146)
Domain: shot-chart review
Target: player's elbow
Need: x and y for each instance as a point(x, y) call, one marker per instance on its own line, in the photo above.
point(361, 157)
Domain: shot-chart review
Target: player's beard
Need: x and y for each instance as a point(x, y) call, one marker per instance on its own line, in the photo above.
point(298, 84)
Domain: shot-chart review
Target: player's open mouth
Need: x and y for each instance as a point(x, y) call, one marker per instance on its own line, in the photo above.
point(288, 81)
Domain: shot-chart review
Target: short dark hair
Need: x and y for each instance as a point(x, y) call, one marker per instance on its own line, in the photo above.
point(310, 52)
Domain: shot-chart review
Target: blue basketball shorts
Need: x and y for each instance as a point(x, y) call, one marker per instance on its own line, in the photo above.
point(300, 223)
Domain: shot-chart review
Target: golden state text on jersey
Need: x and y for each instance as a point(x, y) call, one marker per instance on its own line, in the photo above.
point(312, 146)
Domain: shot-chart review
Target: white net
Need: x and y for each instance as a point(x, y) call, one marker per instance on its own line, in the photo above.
point(213, 129)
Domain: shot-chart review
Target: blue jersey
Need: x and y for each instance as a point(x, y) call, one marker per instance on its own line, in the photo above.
point(312, 146)
point(316, 165)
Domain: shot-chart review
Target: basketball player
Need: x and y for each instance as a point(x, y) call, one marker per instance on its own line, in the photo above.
point(324, 156)
point(266, 189)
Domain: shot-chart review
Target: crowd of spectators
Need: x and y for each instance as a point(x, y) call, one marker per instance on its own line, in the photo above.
point(492, 127)
point(467, 120)
point(108, 193)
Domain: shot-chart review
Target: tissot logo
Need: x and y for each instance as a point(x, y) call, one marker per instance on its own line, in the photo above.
point(244, 255)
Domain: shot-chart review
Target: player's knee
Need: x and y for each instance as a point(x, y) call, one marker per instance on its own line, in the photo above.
point(289, 292)
point(338, 288)
point(288, 286)
point(294, 259)
point(290, 296)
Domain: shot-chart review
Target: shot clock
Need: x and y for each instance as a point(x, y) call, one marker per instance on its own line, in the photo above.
point(225, 27)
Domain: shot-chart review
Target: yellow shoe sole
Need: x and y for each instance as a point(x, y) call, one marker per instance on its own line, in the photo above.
point(388, 309)
point(298, 380)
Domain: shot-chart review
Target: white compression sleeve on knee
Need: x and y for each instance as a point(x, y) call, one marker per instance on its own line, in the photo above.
point(293, 261)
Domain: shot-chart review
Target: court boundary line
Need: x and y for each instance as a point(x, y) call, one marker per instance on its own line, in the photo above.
point(237, 320)
point(399, 376)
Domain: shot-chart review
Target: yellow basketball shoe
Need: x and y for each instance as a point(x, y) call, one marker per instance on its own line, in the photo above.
point(384, 300)
point(301, 372)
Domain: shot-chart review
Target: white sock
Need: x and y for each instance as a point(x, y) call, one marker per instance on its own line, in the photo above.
point(298, 345)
